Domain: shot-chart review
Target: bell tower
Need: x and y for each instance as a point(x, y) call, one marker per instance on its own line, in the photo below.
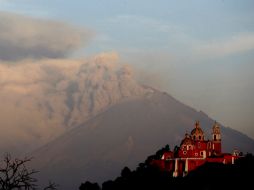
point(216, 139)
point(216, 132)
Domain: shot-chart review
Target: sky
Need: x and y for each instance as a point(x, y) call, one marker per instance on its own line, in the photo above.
point(199, 51)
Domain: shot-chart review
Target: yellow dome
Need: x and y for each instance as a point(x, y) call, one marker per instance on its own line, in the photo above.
point(197, 133)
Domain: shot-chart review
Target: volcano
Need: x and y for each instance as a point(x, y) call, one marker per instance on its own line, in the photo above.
point(124, 135)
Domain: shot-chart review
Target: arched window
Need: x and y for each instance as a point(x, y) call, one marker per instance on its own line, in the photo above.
point(214, 137)
point(194, 137)
point(199, 137)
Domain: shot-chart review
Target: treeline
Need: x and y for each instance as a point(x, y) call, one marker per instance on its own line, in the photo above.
point(210, 176)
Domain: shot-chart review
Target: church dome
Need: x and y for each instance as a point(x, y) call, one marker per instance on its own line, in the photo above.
point(187, 140)
point(197, 133)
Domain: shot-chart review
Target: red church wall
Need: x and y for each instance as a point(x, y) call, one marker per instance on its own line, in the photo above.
point(158, 163)
point(193, 164)
point(217, 147)
point(169, 165)
point(168, 155)
point(201, 145)
point(196, 153)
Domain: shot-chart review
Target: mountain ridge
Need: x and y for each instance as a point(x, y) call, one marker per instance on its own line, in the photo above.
point(123, 135)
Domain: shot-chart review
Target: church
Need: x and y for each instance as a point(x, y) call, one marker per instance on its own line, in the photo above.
point(194, 151)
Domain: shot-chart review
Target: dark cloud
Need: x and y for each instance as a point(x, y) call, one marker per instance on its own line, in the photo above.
point(23, 37)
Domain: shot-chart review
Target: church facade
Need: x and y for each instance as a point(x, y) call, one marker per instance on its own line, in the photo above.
point(194, 151)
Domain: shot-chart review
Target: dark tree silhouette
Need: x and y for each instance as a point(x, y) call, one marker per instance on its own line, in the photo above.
point(167, 147)
point(108, 185)
point(126, 172)
point(176, 149)
point(51, 186)
point(89, 186)
point(15, 175)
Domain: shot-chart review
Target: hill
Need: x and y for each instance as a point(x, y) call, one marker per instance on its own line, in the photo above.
point(207, 177)
point(123, 135)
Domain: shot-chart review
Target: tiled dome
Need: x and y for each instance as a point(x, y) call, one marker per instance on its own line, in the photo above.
point(197, 133)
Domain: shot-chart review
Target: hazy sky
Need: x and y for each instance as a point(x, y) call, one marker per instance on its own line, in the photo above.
point(200, 51)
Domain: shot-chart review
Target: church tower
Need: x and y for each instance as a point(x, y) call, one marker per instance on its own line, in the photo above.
point(216, 138)
point(216, 132)
point(197, 133)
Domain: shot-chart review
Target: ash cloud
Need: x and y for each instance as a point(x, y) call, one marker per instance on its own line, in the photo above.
point(44, 93)
point(22, 37)
point(44, 98)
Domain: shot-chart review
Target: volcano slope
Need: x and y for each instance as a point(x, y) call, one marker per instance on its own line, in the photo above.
point(124, 135)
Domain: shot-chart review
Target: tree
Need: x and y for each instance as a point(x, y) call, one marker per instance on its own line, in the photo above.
point(167, 148)
point(108, 185)
point(14, 175)
point(89, 186)
point(51, 186)
point(126, 172)
point(176, 150)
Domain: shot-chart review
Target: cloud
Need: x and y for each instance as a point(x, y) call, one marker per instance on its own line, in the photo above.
point(236, 44)
point(23, 37)
point(44, 93)
point(41, 99)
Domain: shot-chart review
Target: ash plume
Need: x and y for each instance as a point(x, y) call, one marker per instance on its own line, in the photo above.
point(44, 98)
point(22, 37)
